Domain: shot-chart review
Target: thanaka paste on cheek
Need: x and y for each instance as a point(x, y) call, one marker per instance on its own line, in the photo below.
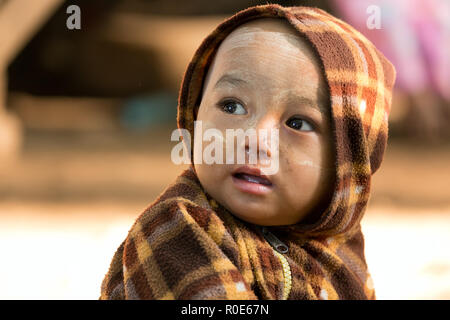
point(308, 163)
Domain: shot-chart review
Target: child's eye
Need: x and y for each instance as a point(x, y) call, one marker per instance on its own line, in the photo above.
point(232, 107)
point(299, 124)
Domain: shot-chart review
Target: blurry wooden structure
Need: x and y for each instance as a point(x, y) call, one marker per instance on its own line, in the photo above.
point(172, 39)
point(90, 75)
point(19, 21)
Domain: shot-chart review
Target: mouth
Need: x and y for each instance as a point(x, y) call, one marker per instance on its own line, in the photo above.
point(251, 180)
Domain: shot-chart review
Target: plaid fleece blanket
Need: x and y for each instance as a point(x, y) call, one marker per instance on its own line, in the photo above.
point(185, 245)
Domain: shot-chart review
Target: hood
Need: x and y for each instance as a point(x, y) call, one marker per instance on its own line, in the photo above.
point(360, 82)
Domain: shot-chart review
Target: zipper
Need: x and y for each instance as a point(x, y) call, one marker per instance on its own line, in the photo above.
point(276, 243)
point(279, 248)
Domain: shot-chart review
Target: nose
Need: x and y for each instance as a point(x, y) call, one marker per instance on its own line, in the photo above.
point(264, 127)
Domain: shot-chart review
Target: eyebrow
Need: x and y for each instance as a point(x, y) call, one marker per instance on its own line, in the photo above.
point(305, 101)
point(236, 81)
point(230, 79)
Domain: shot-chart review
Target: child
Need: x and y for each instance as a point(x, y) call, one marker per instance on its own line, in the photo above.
point(227, 231)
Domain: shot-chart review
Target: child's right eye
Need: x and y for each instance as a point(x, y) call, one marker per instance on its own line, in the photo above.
point(232, 107)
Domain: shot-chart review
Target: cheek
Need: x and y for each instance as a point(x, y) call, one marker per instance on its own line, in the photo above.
point(304, 173)
point(302, 165)
point(213, 118)
point(301, 152)
point(209, 175)
point(205, 173)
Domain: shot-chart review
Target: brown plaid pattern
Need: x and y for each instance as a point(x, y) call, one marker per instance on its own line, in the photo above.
point(186, 246)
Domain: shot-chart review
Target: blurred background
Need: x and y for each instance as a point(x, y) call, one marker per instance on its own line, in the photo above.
point(86, 117)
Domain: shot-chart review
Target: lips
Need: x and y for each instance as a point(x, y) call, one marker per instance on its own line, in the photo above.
point(252, 175)
point(250, 180)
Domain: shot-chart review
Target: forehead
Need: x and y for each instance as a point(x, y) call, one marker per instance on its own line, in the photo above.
point(250, 36)
point(268, 55)
point(264, 39)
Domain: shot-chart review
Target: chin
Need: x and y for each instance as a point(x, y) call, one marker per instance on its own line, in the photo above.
point(252, 215)
point(261, 214)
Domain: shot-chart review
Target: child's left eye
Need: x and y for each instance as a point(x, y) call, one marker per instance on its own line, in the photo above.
point(299, 124)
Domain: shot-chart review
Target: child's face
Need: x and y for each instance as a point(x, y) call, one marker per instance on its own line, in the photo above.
point(264, 76)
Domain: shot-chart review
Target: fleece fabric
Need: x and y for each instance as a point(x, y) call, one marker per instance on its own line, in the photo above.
point(185, 245)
